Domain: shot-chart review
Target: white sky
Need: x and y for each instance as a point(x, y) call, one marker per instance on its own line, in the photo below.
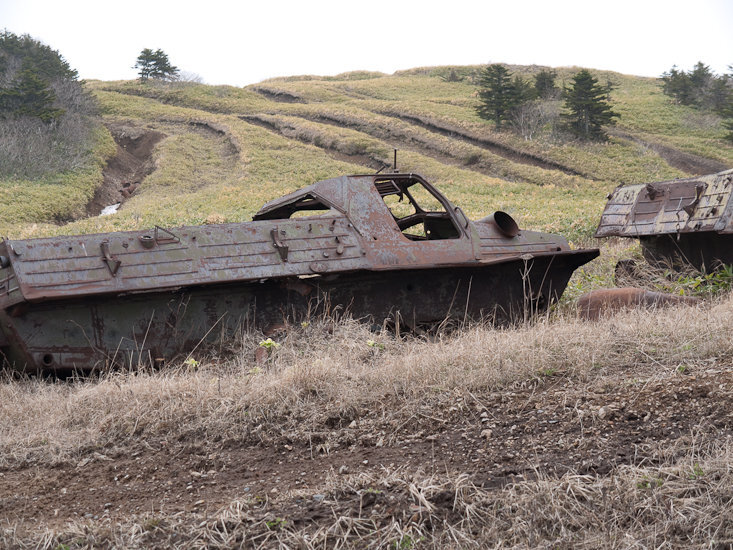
point(238, 43)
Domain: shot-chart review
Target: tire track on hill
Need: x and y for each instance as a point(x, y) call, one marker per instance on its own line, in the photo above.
point(414, 140)
point(230, 144)
point(404, 142)
point(686, 162)
point(418, 142)
point(369, 161)
point(500, 149)
point(278, 95)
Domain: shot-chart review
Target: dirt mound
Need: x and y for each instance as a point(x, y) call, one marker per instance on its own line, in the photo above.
point(126, 170)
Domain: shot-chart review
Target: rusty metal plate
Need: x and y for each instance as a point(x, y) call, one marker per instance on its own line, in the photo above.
point(671, 207)
point(687, 221)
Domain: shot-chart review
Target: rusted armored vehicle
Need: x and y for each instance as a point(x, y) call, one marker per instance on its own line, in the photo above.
point(380, 246)
point(684, 220)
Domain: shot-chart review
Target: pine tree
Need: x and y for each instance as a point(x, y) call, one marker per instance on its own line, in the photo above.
point(719, 95)
point(700, 76)
point(589, 110)
point(156, 65)
point(699, 87)
point(27, 70)
point(46, 116)
point(145, 63)
point(29, 96)
point(728, 123)
point(500, 93)
point(522, 91)
point(544, 84)
point(726, 111)
point(44, 61)
point(677, 84)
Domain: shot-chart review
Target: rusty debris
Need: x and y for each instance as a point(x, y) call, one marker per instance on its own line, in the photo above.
point(380, 246)
point(594, 304)
point(684, 220)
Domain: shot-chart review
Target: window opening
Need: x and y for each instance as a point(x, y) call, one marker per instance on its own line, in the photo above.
point(304, 206)
point(417, 211)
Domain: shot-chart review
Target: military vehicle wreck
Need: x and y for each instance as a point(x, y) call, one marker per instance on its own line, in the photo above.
point(684, 220)
point(380, 246)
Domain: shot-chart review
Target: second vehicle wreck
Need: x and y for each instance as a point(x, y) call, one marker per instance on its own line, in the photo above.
point(685, 220)
point(379, 246)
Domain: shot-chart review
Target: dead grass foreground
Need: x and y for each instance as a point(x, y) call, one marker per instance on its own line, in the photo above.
point(680, 498)
point(324, 375)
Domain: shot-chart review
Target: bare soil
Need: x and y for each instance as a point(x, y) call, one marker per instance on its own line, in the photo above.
point(279, 95)
point(127, 168)
point(547, 427)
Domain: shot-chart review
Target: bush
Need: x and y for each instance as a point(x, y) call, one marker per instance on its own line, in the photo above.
point(46, 116)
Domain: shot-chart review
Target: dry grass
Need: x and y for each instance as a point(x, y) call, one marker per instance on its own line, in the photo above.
point(678, 495)
point(325, 371)
point(680, 498)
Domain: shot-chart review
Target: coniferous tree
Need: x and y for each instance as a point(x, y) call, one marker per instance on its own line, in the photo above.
point(35, 56)
point(728, 123)
point(522, 91)
point(700, 77)
point(677, 84)
point(500, 93)
point(719, 95)
point(29, 96)
point(145, 63)
point(699, 87)
point(156, 65)
point(544, 84)
point(28, 72)
point(162, 67)
point(589, 110)
point(46, 116)
point(727, 110)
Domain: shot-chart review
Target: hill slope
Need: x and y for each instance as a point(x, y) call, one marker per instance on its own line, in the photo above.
point(227, 150)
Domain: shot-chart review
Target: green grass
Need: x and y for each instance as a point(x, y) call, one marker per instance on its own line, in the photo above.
point(199, 180)
point(29, 206)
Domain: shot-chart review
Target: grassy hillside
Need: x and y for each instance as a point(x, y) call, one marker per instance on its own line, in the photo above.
point(228, 150)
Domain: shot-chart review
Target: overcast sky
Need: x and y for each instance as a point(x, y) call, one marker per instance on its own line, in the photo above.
point(239, 43)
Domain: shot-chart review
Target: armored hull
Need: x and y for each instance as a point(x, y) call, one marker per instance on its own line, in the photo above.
point(377, 246)
point(679, 221)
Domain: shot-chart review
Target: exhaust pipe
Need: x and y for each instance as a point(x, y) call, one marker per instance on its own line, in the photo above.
point(503, 222)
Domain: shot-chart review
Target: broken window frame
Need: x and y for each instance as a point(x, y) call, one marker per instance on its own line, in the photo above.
point(400, 184)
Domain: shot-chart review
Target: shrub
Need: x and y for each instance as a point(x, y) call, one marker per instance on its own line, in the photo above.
point(46, 116)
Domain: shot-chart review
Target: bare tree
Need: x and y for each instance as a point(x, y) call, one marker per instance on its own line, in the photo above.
point(531, 117)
